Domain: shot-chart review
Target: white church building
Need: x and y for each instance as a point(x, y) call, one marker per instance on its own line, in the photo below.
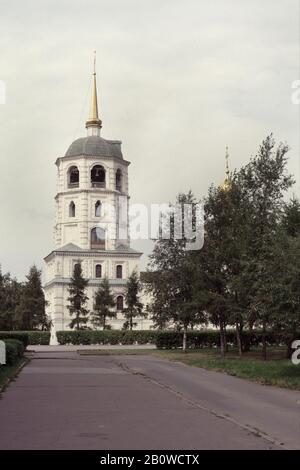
point(91, 223)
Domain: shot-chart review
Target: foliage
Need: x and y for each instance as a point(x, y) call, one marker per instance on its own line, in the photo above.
point(211, 339)
point(78, 299)
point(30, 312)
point(247, 273)
point(134, 308)
point(10, 293)
point(14, 350)
point(107, 337)
point(38, 337)
point(103, 305)
point(18, 335)
point(172, 280)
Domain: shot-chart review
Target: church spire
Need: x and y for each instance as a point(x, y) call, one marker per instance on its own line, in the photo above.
point(227, 183)
point(94, 124)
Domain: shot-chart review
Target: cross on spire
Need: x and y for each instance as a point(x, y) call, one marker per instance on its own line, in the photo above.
point(227, 161)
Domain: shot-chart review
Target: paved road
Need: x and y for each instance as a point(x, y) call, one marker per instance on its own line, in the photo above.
point(67, 401)
point(94, 347)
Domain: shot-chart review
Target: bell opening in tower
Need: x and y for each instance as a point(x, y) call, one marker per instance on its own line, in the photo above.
point(98, 177)
point(98, 238)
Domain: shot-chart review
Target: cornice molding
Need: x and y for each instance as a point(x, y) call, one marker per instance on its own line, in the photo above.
point(91, 157)
point(93, 254)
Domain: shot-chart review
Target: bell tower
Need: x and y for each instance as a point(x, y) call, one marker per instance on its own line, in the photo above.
point(91, 219)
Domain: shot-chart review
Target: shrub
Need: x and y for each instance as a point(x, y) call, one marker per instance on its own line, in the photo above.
point(38, 337)
point(19, 335)
point(14, 350)
point(195, 339)
point(211, 338)
point(112, 337)
point(28, 337)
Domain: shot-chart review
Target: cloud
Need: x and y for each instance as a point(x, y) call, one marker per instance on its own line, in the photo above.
point(178, 82)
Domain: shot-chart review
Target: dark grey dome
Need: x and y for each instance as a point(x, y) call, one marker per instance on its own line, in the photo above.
point(95, 146)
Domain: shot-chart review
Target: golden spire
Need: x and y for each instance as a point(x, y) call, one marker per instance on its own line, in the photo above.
point(227, 162)
point(227, 183)
point(93, 120)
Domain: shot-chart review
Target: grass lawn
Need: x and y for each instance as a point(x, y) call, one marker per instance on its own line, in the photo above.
point(275, 371)
point(9, 372)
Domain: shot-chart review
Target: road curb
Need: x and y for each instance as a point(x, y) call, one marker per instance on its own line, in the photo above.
point(10, 379)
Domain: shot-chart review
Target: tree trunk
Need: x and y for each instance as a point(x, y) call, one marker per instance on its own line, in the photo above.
point(238, 338)
point(104, 321)
point(222, 340)
point(184, 339)
point(289, 350)
point(225, 339)
point(264, 342)
point(130, 323)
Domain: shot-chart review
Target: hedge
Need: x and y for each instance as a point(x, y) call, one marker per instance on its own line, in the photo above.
point(211, 338)
point(195, 339)
point(38, 337)
point(110, 337)
point(28, 337)
point(14, 350)
point(19, 335)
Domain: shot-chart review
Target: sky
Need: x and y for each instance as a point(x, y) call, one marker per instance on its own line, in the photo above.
point(178, 81)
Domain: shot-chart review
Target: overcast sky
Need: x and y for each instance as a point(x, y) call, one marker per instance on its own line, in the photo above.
point(178, 81)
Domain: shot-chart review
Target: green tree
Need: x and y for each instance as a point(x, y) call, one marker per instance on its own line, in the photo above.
point(134, 308)
point(104, 305)
point(157, 286)
point(10, 291)
point(286, 276)
point(172, 285)
point(220, 259)
point(291, 217)
point(78, 299)
point(264, 181)
point(30, 312)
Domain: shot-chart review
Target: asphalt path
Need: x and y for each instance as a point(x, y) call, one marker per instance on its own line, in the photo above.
point(64, 400)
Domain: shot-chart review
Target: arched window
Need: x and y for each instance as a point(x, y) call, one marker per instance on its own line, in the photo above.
point(98, 238)
point(119, 271)
point(120, 303)
point(98, 176)
point(73, 177)
point(77, 268)
point(72, 209)
point(119, 180)
point(98, 207)
point(98, 270)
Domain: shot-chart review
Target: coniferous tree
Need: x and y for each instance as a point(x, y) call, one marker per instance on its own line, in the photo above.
point(134, 307)
point(104, 305)
point(30, 312)
point(78, 299)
